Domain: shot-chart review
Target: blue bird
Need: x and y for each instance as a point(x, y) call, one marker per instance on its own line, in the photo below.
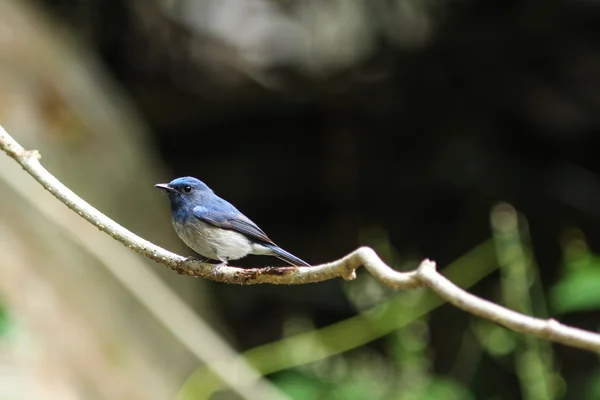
point(214, 228)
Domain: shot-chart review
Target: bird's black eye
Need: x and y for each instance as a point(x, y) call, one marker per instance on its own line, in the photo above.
point(187, 189)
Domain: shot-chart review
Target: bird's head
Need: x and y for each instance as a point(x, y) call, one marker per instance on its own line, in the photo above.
point(185, 190)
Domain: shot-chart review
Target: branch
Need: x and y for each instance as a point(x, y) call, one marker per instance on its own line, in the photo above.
point(425, 275)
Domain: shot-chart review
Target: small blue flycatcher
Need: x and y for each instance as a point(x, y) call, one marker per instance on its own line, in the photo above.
point(214, 228)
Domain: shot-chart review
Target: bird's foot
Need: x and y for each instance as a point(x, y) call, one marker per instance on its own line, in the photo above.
point(218, 267)
point(182, 263)
point(196, 259)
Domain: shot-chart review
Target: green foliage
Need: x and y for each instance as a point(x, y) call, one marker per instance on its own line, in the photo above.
point(299, 386)
point(578, 290)
point(439, 388)
point(364, 374)
point(494, 339)
point(5, 321)
point(593, 390)
point(522, 292)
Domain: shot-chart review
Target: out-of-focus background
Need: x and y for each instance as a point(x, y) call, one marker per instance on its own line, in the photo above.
point(461, 131)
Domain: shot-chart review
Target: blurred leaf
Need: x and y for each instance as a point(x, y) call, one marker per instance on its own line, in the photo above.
point(298, 386)
point(496, 340)
point(302, 386)
point(521, 291)
point(500, 342)
point(446, 389)
point(578, 290)
point(593, 390)
point(358, 389)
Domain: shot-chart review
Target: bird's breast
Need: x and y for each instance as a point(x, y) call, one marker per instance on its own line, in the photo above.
point(211, 241)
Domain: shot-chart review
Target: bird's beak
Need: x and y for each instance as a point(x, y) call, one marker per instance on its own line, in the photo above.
point(165, 187)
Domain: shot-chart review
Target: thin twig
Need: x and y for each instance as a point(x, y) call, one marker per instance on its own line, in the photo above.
point(425, 275)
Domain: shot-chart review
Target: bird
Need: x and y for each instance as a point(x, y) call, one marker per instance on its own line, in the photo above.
point(214, 228)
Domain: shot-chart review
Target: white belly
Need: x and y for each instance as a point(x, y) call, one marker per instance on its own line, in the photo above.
point(212, 242)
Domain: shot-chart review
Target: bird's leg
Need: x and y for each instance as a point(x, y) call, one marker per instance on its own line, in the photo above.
point(223, 263)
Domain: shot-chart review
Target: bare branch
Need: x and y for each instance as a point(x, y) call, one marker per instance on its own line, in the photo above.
point(425, 275)
point(549, 329)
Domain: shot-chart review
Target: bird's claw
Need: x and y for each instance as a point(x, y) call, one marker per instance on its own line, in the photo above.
point(218, 268)
point(195, 259)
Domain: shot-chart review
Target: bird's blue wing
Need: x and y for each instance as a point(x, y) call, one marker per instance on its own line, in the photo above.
point(234, 221)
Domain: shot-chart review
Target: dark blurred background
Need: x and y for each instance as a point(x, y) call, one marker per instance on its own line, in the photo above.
point(415, 127)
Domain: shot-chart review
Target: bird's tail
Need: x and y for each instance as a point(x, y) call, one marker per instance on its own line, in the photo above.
point(287, 257)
